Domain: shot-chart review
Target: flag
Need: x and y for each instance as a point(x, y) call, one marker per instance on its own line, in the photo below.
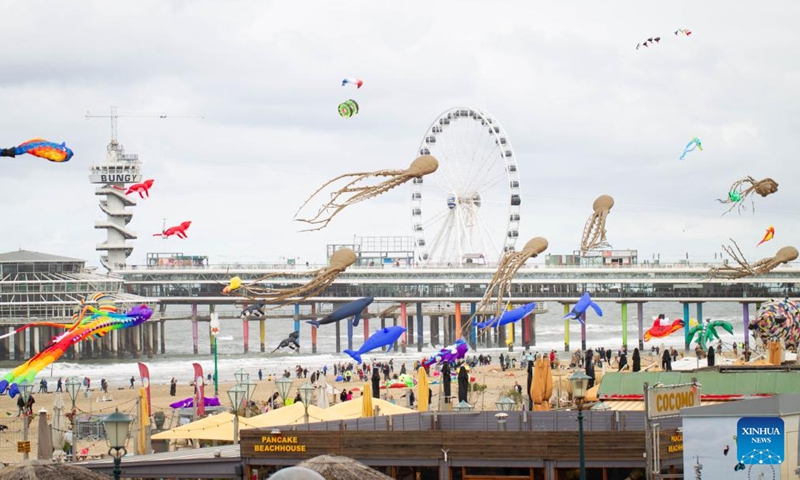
point(199, 395)
point(144, 372)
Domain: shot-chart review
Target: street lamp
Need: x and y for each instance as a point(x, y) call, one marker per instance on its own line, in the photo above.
point(284, 384)
point(505, 404)
point(248, 387)
point(306, 390)
point(463, 406)
point(580, 383)
point(73, 387)
point(117, 426)
point(236, 394)
point(25, 390)
point(241, 376)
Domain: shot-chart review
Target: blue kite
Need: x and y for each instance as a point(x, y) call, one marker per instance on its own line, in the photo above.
point(381, 338)
point(507, 317)
point(352, 309)
point(693, 143)
point(580, 308)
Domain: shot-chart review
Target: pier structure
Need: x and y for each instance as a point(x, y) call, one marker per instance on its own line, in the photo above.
point(444, 299)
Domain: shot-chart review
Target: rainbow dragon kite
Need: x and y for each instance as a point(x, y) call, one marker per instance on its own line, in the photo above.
point(91, 322)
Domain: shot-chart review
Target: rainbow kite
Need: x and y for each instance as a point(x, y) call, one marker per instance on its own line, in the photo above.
point(91, 322)
point(39, 147)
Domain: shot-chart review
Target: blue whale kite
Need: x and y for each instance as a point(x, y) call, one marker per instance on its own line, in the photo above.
point(383, 337)
point(352, 309)
point(507, 317)
point(580, 308)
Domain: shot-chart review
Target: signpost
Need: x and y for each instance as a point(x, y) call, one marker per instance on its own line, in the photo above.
point(214, 325)
point(664, 401)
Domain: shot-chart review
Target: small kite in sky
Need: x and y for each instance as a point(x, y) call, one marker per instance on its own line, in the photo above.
point(693, 143)
point(179, 230)
point(683, 31)
point(768, 236)
point(654, 40)
point(355, 81)
point(39, 147)
point(348, 109)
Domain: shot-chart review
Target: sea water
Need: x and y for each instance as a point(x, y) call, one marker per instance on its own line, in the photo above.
point(177, 362)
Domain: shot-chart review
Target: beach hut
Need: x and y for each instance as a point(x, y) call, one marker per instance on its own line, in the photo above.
point(213, 427)
point(292, 415)
point(42, 470)
point(334, 467)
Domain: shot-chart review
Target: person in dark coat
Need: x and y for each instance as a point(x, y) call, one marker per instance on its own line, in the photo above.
point(446, 381)
point(589, 364)
point(463, 384)
point(637, 360)
point(710, 356)
point(666, 361)
point(376, 383)
point(623, 361)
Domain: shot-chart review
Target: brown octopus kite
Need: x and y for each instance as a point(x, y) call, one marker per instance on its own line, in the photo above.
point(352, 192)
point(323, 277)
point(594, 233)
point(745, 269)
point(500, 284)
point(738, 193)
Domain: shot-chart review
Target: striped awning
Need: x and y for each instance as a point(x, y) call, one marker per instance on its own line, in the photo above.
point(638, 406)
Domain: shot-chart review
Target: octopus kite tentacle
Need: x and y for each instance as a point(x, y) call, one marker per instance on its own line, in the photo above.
point(738, 193)
point(745, 269)
point(322, 279)
point(594, 232)
point(353, 193)
point(500, 285)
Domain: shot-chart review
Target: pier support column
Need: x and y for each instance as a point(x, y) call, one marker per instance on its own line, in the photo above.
point(349, 333)
point(446, 330)
point(4, 344)
point(624, 326)
point(746, 323)
point(410, 331)
point(403, 322)
point(640, 324)
point(566, 327)
point(148, 340)
point(583, 332)
point(338, 337)
point(383, 325)
point(162, 326)
point(473, 330)
point(262, 335)
point(19, 345)
point(246, 334)
point(686, 326)
point(394, 345)
point(434, 330)
point(194, 328)
point(420, 328)
point(365, 319)
point(526, 332)
point(296, 317)
point(313, 330)
point(457, 330)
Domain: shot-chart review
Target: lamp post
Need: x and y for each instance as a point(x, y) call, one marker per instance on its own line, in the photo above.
point(236, 394)
point(73, 387)
point(284, 384)
point(248, 387)
point(580, 383)
point(25, 389)
point(241, 376)
point(463, 406)
point(306, 390)
point(214, 326)
point(505, 404)
point(117, 426)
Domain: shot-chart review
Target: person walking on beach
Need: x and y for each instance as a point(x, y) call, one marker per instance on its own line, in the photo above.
point(133, 380)
point(260, 375)
point(666, 361)
point(173, 386)
point(637, 360)
point(58, 385)
point(623, 361)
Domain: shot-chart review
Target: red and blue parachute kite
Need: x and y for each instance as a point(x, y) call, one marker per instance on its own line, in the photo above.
point(39, 147)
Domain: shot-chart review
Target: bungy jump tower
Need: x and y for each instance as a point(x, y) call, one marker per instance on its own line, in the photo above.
point(112, 176)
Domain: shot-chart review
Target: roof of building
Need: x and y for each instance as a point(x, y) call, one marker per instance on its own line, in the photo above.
point(27, 256)
point(617, 385)
point(786, 404)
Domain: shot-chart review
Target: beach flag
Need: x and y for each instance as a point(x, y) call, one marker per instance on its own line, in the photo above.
point(199, 390)
point(144, 372)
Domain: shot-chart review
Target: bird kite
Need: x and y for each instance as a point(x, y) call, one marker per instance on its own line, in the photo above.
point(143, 189)
point(693, 143)
point(91, 322)
point(355, 81)
point(348, 108)
point(580, 308)
point(179, 230)
point(39, 147)
point(767, 236)
point(654, 40)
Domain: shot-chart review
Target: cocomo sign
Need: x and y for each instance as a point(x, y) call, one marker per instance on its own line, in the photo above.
point(669, 400)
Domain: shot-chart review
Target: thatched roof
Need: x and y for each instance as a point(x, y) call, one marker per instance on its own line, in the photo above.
point(334, 467)
point(42, 470)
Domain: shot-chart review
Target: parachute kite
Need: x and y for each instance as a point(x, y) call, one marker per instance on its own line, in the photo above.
point(355, 81)
point(91, 322)
point(693, 143)
point(348, 109)
point(768, 236)
point(39, 147)
point(654, 40)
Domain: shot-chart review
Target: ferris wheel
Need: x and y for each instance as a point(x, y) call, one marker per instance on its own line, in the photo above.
point(469, 210)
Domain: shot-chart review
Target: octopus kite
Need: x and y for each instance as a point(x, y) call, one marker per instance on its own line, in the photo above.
point(594, 233)
point(746, 269)
point(323, 277)
point(778, 320)
point(706, 332)
point(500, 284)
point(693, 144)
point(91, 322)
point(348, 109)
point(740, 190)
point(353, 192)
point(39, 147)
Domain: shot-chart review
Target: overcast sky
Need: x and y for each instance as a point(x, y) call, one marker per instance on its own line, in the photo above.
point(586, 112)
